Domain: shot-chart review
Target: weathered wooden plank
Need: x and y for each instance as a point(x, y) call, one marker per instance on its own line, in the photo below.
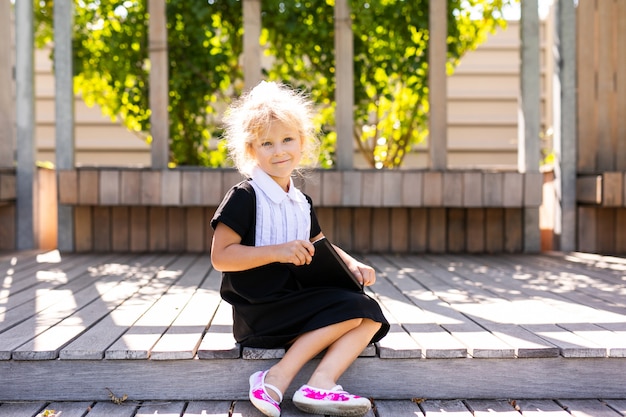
point(93, 305)
point(120, 229)
point(7, 186)
point(22, 409)
point(412, 189)
point(110, 409)
point(456, 230)
point(605, 86)
point(109, 187)
point(480, 343)
point(587, 229)
point(101, 229)
point(68, 187)
point(437, 230)
point(493, 192)
point(539, 408)
point(208, 408)
point(54, 286)
point(514, 230)
point(50, 308)
point(88, 187)
point(418, 230)
point(351, 183)
point(170, 187)
point(130, 187)
point(472, 189)
point(332, 190)
point(485, 408)
point(392, 188)
point(618, 405)
point(83, 229)
point(190, 189)
point(475, 237)
point(8, 227)
point(138, 341)
point(176, 228)
point(372, 189)
point(183, 337)
point(445, 408)
point(397, 409)
point(533, 189)
point(452, 189)
point(613, 342)
point(612, 189)
point(381, 233)
point(157, 229)
point(418, 319)
point(219, 342)
point(93, 342)
point(69, 409)
point(161, 408)
point(513, 189)
point(150, 188)
point(210, 190)
point(620, 224)
point(450, 378)
point(588, 408)
point(195, 229)
point(326, 219)
point(400, 234)
point(585, 70)
point(138, 229)
point(345, 227)
point(433, 189)
point(589, 189)
point(362, 241)
point(605, 229)
point(494, 230)
point(313, 186)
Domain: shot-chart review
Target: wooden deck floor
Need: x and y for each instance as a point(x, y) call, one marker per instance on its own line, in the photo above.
point(153, 327)
point(407, 408)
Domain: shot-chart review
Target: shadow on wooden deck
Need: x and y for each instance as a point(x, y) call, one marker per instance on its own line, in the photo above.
point(153, 326)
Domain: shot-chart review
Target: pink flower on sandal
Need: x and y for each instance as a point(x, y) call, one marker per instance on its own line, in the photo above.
point(335, 402)
point(260, 398)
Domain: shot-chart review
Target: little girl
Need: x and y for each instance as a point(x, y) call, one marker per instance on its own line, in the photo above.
point(265, 223)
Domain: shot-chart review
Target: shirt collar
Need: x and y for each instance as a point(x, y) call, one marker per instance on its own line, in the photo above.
point(273, 190)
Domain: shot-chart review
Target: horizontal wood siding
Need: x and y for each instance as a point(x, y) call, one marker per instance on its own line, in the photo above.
point(141, 210)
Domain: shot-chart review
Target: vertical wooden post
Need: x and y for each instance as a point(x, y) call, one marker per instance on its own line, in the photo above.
point(159, 84)
point(437, 84)
point(530, 79)
point(251, 47)
point(25, 118)
point(344, 90)
point(565, 125)
point(7, 121)
point(64, 113)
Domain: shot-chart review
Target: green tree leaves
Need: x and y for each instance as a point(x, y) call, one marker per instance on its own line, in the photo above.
point(205, 46)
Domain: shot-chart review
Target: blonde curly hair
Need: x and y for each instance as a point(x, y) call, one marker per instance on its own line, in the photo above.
point(253, 113)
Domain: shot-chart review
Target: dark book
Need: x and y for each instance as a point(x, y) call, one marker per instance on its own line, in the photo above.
point(327, 269)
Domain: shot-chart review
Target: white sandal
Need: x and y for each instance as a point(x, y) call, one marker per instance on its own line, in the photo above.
point(260, 398)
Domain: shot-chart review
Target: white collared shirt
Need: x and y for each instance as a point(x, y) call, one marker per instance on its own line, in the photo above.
point(280, 216)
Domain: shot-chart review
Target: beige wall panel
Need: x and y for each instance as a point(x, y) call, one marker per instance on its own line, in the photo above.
point(93, 137)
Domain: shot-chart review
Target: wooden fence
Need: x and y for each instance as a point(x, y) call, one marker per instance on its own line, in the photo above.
point(364, 211)
point(601, 185)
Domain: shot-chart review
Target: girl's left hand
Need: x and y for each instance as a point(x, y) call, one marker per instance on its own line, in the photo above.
point(365, 274)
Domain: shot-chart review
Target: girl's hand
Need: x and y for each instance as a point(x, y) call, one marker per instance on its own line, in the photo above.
point(297, 252)
point(365, 274)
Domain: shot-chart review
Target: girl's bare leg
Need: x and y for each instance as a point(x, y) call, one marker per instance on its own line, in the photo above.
point(345, 341)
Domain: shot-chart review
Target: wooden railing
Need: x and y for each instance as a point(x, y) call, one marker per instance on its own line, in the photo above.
point(7, 209)
point(364, 211)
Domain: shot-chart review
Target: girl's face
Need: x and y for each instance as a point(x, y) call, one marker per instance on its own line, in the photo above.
point(278, 152)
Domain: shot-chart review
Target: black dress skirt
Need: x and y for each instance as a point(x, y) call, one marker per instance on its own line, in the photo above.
point(270, 308)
